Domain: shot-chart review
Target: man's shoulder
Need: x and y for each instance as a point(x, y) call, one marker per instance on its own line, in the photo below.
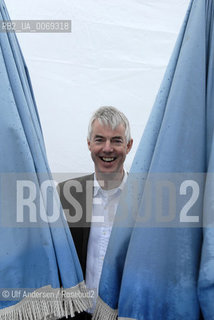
point(81, 179)
point(75, 189)
point(89, 177)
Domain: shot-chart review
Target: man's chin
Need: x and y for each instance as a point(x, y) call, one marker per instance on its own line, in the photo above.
point(108, 174)
point(109, 179)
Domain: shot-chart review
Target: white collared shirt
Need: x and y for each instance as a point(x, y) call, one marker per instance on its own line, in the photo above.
point(105, 203)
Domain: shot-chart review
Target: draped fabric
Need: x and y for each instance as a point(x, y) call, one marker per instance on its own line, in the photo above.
point(37, 253)
point(160, 259)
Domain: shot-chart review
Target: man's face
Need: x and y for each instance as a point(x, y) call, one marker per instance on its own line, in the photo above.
point(108, 148)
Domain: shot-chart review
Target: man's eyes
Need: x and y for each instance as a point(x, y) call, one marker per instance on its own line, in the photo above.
point(98, 140)
point(114, 141)
point(117, 141)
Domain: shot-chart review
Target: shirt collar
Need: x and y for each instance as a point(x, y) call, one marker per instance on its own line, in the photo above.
point(97, 187)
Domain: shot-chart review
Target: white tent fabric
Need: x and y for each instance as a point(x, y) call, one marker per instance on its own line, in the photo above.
point(116, 55)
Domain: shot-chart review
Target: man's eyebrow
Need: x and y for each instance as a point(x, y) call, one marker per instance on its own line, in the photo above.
point(117, 137)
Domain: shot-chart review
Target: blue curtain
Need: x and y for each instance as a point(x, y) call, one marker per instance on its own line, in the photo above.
point(36, 251)
point(160, 259)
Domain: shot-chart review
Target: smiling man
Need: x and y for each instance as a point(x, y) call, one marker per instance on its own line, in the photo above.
point(109, 141)
point(90, 202)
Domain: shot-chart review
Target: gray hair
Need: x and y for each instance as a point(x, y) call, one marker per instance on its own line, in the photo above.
point(112, 117)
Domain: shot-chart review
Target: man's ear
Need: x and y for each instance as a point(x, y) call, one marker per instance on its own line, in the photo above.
point(129, 146)
point(89, 144)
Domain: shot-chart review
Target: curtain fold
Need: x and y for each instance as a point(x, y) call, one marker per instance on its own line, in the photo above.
point(159, 262)
point(37, 254)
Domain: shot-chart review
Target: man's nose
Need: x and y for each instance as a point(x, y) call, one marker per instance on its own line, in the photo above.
point(107, 146)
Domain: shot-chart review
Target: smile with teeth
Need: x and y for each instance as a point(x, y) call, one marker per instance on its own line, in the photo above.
point(107, 159)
